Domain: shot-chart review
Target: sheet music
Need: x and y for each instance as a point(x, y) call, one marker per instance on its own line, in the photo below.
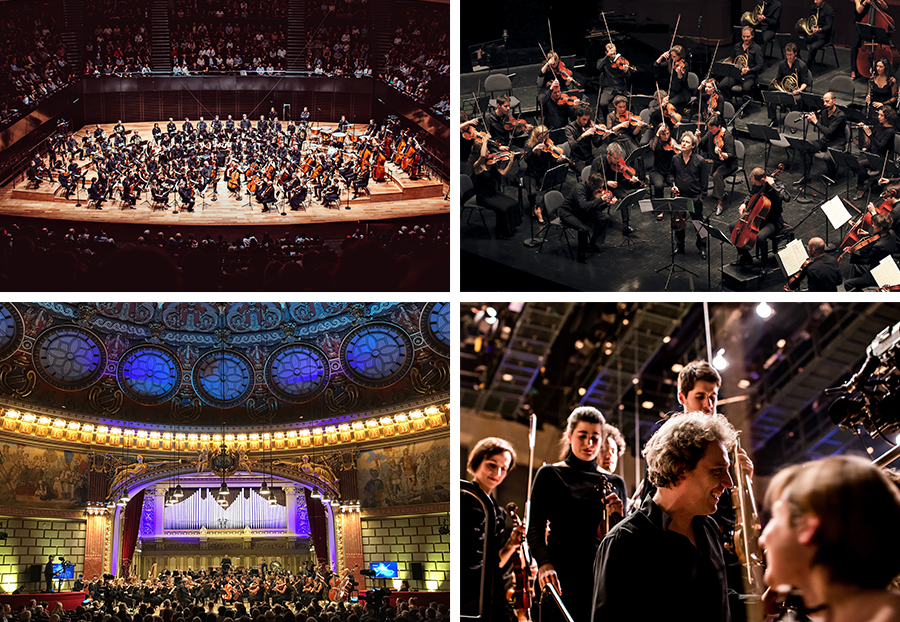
point(886, 272)
point(836, 212)
point(702, 231)
point(792, 257)
point(646, 205)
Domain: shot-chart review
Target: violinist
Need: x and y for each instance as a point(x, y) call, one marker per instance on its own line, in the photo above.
point(882, 89)
point(97, 192)
point(620, 178)
point(584, 211)
point(550, 68)
point(832, 126)
point(186, 192)
point(466, 145)
point(489, 463)
point(672, 533)
point(575, 497)
point(615, 70)
point(497, 118)
point(539, 158)
point(664, 148)
point(718, 145)
point(677, 74)
point(790, 65)
point(840, 556)
point(823, 271)
point(766, 187)
point(626, 125)
point(715, 102)
point(660, 111)
point(556, 113)
point(690, 175)
point(862, 261)
point(488, 195)
point(582, 137)
point(755, 64)
point(822, 32)
point(879, 140)
point(611, 451)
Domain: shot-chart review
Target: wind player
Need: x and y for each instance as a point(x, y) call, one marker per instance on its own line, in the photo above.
point(490, 461)
point(755, 64)
point(879, 140)
point(821, 34)
point(672, 532)
point(832, 127)
point(790, 65)
point(698, 391)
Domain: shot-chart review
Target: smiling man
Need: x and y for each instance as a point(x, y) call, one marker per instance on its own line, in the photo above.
point(673, 533)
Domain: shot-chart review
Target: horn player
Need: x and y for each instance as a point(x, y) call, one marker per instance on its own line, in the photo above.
point(791, 65)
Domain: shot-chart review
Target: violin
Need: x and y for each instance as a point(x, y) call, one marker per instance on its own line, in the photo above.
point(679, 217)
point(621, 63)
point(795, 280)
point(719, 141)
point(632, 119)
point(626, 171)
point(521, 594)
point(672, 145)
point(554, 150)
point(471, 133)
point(865, 220)
point(602, 130)
point(503, 156)
point(679, 65)
point(747, 228)
point(511, 125)
point(713, 104)
point(669, 111)
point(863, 243)
point(566, 73)
point(568, 100)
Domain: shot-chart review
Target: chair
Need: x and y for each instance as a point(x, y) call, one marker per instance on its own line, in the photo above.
point(829, 44)
point(585, 173)
point(844, 85)
point(739, 153)
point(467, 201)
point(793, 120)
point(729, 114)
point(552, 201)
point(499, 82)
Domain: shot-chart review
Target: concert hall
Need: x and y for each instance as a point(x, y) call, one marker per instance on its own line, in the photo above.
point(735, 146)
point(679, 461)
point(184, 145)
point(284, 461)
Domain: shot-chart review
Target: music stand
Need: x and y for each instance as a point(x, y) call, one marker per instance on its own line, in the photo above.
point(728, 70)
point(808, 149)
point(675, 204)
point(556, 176)
point(779, 98)
point(633, 198)
point(723, 239)
point(848, 160)
point(808, 101)
point(766, 133)
point(870, 36)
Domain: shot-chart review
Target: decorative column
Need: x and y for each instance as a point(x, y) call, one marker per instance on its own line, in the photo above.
point(290, 503)
point(94, 544)
point(351, 525)
point(159, 509)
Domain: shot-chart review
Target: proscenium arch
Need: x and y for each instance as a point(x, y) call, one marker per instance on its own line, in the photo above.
point(186, 472)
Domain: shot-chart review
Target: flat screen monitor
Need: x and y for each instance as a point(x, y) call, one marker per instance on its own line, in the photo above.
point(63, 573)
point(384, 570)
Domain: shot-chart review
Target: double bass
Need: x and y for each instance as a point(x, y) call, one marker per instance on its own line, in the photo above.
point(745, 231)
point(874, 51)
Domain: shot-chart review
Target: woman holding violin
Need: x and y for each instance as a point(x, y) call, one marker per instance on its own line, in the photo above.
point(488, 178)
point(554, 68)
point(489, 462)
point(540, 156)
point(677, 72)
point(764, 207)
point(626, 125)
point(713, 98)
point(718, 145)
point(579, 503)
point(615, 69)
point(664, 148)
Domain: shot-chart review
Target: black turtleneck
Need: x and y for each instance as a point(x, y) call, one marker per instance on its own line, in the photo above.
point(569, 495)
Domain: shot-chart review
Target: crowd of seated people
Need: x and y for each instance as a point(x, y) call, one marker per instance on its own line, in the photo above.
point(339, 38)
point(227, 9)
point(419, 61)
point(389, 258)
point(32, 60)
point(119, 43)
point(223, 47)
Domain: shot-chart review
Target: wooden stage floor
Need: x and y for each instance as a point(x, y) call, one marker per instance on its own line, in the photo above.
point(397, 198)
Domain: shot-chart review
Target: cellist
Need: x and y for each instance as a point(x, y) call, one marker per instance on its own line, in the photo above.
point(764, 187)
point(489, 463)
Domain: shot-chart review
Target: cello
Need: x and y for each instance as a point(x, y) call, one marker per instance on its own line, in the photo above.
point(745, 231)
point(874, 51)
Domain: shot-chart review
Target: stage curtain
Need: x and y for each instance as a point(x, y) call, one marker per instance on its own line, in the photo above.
point(130, 531)
point(318, 528)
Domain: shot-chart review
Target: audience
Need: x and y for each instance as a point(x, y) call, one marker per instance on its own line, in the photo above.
point(418, 63)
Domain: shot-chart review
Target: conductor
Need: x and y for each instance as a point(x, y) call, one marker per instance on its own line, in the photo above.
point(226, 564)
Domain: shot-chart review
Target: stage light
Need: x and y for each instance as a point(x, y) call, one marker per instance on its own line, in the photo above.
point(582, 391)
point(764, 311)
point(719, 361)
point(677, 367)
point(491, 311)
point(743, 383)
point(491, 320)
point(648, 404)
point(507, 377)
point(781, 343)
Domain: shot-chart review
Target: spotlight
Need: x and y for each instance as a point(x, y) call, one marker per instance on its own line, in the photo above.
point(719, 361)
point(764, 311)
point(491, 311)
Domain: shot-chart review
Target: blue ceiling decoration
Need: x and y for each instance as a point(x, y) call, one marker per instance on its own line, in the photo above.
point(377, 354)
point(223, 378)
point(69, 357)
point(149, 374)
point(435, 327)
point(297, 372)
point(11, 330)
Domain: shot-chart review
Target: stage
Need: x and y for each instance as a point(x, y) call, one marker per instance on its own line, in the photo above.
point(398, 197)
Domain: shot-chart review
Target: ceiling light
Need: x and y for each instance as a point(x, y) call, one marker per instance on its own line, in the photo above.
point(264, 489)
point(719, 361)
point(677, 367)
point(648, 404)
point(316, 494)
point(179, 493)
point(491, 311)
point(764, 311)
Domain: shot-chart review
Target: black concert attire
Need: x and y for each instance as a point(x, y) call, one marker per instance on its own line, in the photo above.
point(661, 174)
point(187, 127)
point(882, 94)
point(627, 137)
point(581, 148)
point(768, 26)
point(473, 528)
point(881, 142)
point(825, 21)
point(623, 186)
point(691, 178)
point(867, 258)
point(48, 575)
point(755, 64)
point(587, 215)
point(771, 224)
point(613, 81)
point(266, 196)
point(536, 166)
point(798, 68)
point(720, 168)
point(569, 495)
point(555, 115)
point(96, 193)
point(680, 92)
point(494, 126)
point(824, 274)
point(693, 585)
point(186, 191)
point(831, 135)
point(505, 208)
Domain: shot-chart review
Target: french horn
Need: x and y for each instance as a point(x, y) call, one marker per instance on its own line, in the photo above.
point(788, 84)
point(806, 25)
point(749, 18)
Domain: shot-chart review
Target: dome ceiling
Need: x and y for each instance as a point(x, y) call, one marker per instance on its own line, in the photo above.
point(199, 364)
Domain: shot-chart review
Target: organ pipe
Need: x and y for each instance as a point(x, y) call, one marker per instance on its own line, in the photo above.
point(200, 509)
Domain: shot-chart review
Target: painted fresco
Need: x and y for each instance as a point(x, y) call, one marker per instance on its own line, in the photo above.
point(39, 477)
point(414, 474)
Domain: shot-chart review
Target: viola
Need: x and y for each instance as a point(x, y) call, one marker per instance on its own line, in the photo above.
point(747, 228)
point(794, 282)
point(865, 220)
point(889, 53)
point(863, 243)
point(625, 171)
